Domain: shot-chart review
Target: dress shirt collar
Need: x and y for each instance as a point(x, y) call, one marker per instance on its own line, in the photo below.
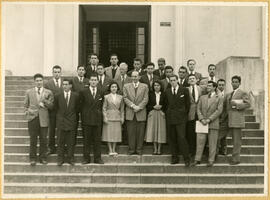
point(176, 89)
point(136, 84)
point(59, 81)
point(214, 78)
point(80, 78)
point(41, 90)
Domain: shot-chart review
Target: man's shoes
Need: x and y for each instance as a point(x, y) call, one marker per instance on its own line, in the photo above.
point(187, 163)
point(99, 162)
point(33, 163)
point(210, 164)
point(43, 161)
point(196, 162)
point(60, 163)
point(84, 162)
point(174, 161)
point(234, 162)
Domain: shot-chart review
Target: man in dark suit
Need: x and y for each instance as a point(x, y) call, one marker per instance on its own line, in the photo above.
point(103, 80)
point(92, 65)
point(191, 63)
point(113, 71)
point(55, 85)
point(67, 106)
point(38, 101)
point(149, 77)
point(211, 75)
point(91, 102)
point(166, 81)
point(160, 72)
point(137, 64)
point(178, 104)
point(183, 76)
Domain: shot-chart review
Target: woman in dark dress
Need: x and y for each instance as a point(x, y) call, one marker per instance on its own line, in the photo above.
point(156, 121)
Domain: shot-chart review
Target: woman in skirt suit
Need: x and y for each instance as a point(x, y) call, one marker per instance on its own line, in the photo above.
point(113, 117)
point(156, 121)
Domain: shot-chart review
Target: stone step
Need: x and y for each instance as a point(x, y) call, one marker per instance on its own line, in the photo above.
point(14, 98)
point(19, 87)
point(123, 149)
point(133, 178)
point(19, 110)
point(22, 83)
point(26, 140)
point(15, 92)
point(252, 133)
point(250, 118)
point(123, 158)
point(16, 104)
point(19, 78)
point(252, 125)
point(147, 168)
point(81, 188)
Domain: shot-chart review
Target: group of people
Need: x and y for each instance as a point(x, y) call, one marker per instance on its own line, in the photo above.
point(144, 104)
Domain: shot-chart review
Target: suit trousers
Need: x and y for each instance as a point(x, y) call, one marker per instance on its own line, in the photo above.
point(136, 133)
point(36, 131)
point(66, 138)
point(212, 141)
point(79, 117)
point(52, 126)
point(222, 141)
point(237, 142)
point(191, 137)
point(92, 133)
point(177, 141)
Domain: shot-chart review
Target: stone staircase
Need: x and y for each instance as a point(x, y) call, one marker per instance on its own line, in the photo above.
point(146, 174)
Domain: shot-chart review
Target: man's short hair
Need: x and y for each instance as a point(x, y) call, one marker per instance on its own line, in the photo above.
point(56, 67)
point(38, 76)
point(162, 60)
point(221, 80)
point(173, 75)
point(237, 77)
point(93, 75)
point(211, 66)
point(92, 54)
point(68, 80)
point(183, 67)
point(190, 61)
point(123, 64)
point(100, 64)
point(113, 54)
point(81, 66)
point(169, 67)
point(192, 75)
point(150, 64)
point(213, 83)
point(137, 59)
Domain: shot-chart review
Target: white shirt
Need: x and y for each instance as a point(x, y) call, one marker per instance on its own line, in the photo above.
point(212, 94)
point(214, 78)
point(80, 78)
point(59, 82)
point(136, 84)
point(65, 95)
point(191, 72)
point(221, 92)
point(123, 77)
point(94, 68)
point(102, 78)
point(195, 91)
point(235, 91)
point(40, 92)
point(182, 81)
point(92, 89)
point(150, 77)
point(157, 97)
point(168, 80)
point(113, 97)
point(176, 89)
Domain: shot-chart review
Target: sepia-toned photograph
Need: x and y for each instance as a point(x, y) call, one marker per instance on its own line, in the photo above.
point(138, 99)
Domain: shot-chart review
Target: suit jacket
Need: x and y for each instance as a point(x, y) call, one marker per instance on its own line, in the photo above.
point(185, 84)
point(32, 108)
point(144, 79)
point(66, 118)
point(236, 115)
point(142, 72)
point(165, 84)
point(50, 85)
point(108, 72)
point(78, 86)
point(121, 86)
point(177, 106)
point(152, 101)
point(113, 111)
point(91, 107)
point(105, 86)
point(210, 108)
point(223, 118)
point(140, 99)
point(157, 73)
point(193, 104)
point(89, 71)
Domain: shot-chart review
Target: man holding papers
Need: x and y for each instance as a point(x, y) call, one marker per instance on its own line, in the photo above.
point(208, 109)
point(236, 103)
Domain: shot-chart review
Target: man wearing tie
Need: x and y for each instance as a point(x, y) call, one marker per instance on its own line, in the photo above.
point(191, 63)
point(178, 104)
point(149, 77)
point(36, 104)
point(123, 79)
point(113, 71)
point(67, 106)
point(91, 103)
point(55, 85)
point(183, 81)
point(195, 92)
point(236, 103)
point(103, 80)
point(166, 81)
point(137, 64)
point(211, 75)
point(136, 99)
point(92, 65)
point(79, 81)
point(160, 72)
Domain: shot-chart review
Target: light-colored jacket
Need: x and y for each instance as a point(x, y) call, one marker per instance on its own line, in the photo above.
point(108, 72)
point(210, 108)
point(113, 110)
point(32, 108)
point(140, 99)
point(193, 103)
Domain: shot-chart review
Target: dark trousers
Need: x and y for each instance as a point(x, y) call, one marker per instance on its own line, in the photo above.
point(177, 141)
point(52, 131)
point(191, 137)
point(92, 133)
point(66, 138)
point(136, 131)
point(222, 141)
point(36, 131)
point(124, 133)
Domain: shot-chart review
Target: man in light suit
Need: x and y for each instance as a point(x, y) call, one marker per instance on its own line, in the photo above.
point(91, 68)
point(195, 92)
point(236, 103)
point(160, 72)
point(36, 104)
point(55, 85)
point(209, 109)
point(178, 104)
point(67, 105)
point(191, 63)
point(149, 77)
point(136, 99)
point(183, 76)
point(137, 64)
point(166, 81)
point(124, 78)
point(103, 80)
point(113, 71)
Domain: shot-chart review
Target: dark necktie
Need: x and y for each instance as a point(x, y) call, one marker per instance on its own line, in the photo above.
point(123, 81)
point(174, 91)
point(181, 81)
point(151, 80)
point(212, 78)
point(209, 95)
point(100, 80)
point(94, 92)
point(66, 98)
point(193, 93)
point(38, 91)
point(136, 88)
point(57, 83)
point(113, 72)
point(81, 79)
point(231, 95)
